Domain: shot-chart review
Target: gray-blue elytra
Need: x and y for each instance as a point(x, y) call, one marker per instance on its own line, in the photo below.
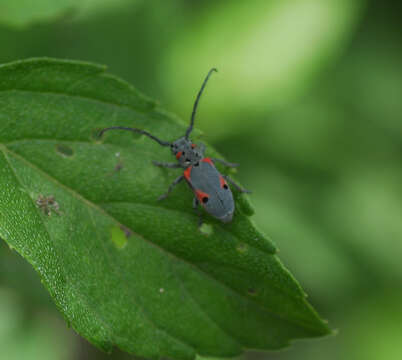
point(210, 188)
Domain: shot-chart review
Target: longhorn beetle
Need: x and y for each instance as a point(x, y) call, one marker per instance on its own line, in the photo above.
point(209, 186)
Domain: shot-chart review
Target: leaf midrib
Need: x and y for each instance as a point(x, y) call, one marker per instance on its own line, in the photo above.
point(88, 142)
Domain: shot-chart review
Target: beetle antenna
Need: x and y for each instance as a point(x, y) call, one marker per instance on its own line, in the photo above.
point(190, 128)
point(143, 132)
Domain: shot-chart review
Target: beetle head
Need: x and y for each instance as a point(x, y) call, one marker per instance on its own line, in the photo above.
point(186, 152)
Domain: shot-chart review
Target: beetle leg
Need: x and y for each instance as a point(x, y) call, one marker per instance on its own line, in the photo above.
point(170, 188)
point(228, 164)
point(236, 186)
point(197, 210)
point(166, 165)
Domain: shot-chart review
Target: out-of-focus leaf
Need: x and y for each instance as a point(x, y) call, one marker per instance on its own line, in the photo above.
point(369, 80)
point(381, 312)
point(41, 337)
point(21, 13)
point(366, 210)
point(17, 274)
point(126, 270)
point(305, 247)
point(356, 320)
point(91, 8)
point(266, 51)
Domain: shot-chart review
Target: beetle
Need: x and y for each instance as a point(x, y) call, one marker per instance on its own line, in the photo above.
point(209, 186)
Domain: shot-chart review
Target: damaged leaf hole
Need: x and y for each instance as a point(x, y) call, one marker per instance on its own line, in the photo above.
point(252, 291)
point(119, 235)
point(64, 150)
point(48, 204)
point(206, 229)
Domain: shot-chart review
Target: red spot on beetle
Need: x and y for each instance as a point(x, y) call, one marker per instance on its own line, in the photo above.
point(178, 154)
point(202, 196)
point(208, 160)
point(193, 146)
point(187, 173)
point(224, 184)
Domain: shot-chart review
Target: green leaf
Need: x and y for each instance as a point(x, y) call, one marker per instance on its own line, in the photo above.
point(166, 289)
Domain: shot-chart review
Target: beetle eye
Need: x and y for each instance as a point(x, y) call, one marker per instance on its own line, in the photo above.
point(205, 199)
point(225, 186)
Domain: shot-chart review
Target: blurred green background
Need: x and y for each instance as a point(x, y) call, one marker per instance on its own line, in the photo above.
point(308, 99)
